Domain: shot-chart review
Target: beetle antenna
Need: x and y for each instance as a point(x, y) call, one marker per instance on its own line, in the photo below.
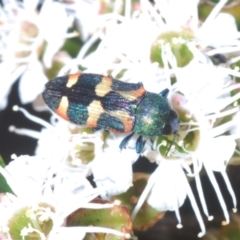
point(171, 144)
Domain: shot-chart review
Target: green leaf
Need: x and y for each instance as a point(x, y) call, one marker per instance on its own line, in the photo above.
point(4, 187)
point(2, 163)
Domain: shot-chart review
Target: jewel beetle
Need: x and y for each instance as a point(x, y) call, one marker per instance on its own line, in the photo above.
point(102, 102)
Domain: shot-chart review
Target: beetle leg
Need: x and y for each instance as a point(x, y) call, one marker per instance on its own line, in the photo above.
point(152, 142)
point(173, 141)
point(140, 144)
point(125, 141)
point(164, 92)
point(96, 129)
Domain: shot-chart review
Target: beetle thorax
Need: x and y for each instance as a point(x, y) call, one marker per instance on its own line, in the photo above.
point(151, 115)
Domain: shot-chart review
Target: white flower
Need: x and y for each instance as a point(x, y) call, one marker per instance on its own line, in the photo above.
point(168, 186)
point(202, 85)
point(12, 76)
point(53, 28)
point(20, 43)
point(177, 14)
point(38, 174)
point(83, 12)
point(33, 79)
point(213, 151)
point(29, 174)
point(23, 31)
point(125, 43)
point(46, 192)
point(61, 141)
point(219, 37)
point(112, 171)
point(167, 189)
point(216, 160)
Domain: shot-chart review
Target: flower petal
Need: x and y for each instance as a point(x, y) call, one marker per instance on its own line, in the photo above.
point(112, 171)
point(32, 83)
point(168, 191)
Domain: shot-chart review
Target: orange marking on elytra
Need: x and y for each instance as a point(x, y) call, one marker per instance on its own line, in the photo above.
point(134, 94)
point(72, 79)
point(95, 109)
point(125, 118)
point(62, 108)
point(104, 87)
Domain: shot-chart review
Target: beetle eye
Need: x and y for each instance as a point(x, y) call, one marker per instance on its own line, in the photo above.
point(167, 129)
point(171, 126)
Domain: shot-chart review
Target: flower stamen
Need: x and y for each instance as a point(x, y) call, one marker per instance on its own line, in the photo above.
point(218, 192)
point(24, 131)
point(32, 117)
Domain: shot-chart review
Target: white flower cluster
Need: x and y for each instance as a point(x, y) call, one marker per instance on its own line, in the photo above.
point(161, 44)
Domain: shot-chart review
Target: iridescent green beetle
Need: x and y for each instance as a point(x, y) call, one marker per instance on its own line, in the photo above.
point(102, 102)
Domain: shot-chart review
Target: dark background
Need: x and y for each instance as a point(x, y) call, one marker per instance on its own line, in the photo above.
point(166, 228)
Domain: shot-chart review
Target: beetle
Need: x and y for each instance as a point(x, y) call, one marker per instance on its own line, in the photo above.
point(102, 102)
